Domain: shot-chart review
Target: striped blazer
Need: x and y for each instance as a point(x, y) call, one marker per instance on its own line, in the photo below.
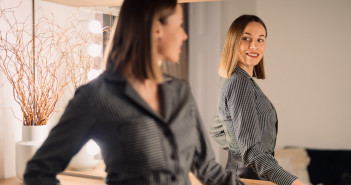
point(138, 145)
point(250, 124)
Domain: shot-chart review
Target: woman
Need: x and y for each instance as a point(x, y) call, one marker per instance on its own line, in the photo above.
point(146, 124)
point(249, 119)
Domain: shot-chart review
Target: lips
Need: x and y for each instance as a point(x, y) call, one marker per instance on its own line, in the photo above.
point(252, 54)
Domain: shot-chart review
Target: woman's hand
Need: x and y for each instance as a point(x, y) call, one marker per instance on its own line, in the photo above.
point(298, 182)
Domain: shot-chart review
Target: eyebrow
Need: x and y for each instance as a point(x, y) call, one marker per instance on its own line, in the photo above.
point(251, 35)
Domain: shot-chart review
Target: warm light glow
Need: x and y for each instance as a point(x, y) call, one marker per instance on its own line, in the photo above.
point(92, 148)
point(95, 50)
point(95, 27)
point(93, 73)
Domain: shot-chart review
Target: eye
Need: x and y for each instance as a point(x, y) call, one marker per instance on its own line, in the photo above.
point(246, 39)
point(260, 40)
point(182, 24)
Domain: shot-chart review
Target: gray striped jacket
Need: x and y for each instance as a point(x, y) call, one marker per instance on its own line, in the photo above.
point(138, 145)
point(250, 126)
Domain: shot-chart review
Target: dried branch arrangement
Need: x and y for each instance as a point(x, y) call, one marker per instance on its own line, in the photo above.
point(39, 75)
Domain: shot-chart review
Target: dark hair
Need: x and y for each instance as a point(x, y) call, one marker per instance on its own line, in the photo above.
point(132, 40)
point(229, 58)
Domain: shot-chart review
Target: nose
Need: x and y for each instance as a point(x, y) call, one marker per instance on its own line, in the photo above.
point(185, 36)
point(253, 45)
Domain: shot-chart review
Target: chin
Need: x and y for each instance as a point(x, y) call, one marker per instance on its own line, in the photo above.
point(254, 63)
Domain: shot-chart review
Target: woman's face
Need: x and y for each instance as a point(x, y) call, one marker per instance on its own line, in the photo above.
point(252, 46)
point(170, 37)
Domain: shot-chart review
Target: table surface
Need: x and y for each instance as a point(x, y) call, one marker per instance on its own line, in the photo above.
point(72, 180)
point(96, 176)
point(64, 179)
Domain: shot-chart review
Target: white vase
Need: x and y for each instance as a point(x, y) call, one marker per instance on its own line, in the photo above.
point(85, 158)
point(32, 138)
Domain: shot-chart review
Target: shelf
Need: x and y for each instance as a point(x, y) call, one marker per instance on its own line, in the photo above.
point(92, 3)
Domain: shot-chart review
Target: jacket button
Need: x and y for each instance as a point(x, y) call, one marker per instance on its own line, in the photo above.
point(173, 156)
point(167, 133)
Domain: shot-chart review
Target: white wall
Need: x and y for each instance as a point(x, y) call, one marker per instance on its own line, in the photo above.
point(306, 64)
point(233, 9)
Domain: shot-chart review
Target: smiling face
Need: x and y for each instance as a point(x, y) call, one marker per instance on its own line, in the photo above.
point(170, 36)
point(252, 46)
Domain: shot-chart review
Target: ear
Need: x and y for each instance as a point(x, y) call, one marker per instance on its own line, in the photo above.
point(158, 31)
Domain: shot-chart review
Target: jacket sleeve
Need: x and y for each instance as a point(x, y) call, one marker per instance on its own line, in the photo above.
point(246, 130)
point(64, 141)
point(205, 168)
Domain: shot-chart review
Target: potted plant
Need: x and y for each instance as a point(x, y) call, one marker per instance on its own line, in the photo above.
point(40, 61)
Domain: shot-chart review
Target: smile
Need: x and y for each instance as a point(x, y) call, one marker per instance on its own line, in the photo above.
point(252, 54)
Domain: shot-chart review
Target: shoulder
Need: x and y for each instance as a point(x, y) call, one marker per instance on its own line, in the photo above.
point(89, 88)
point(238, 87)
point(176, 83)
point(237, 82)
point(237, 77)
point(178, 87)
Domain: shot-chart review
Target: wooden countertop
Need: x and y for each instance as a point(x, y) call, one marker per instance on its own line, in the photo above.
point(65, 180)
point(71, 180)
point(96, 176)
point(194, 181)
point(256, 182)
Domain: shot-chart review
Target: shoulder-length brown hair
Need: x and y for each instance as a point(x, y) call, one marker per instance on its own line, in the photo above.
point(229, 58)
point(132, 39)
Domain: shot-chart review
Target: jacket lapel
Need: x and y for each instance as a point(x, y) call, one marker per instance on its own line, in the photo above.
point(136, 98)
point(167, 94)
point(166, 91)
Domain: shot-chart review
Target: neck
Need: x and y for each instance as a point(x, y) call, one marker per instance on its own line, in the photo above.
point(248, 69)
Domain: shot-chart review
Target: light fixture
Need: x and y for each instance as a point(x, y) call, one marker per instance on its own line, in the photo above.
point(92, 148)
point(85, 158)
point(93, 73)
point(95, 27)
point(95, 50)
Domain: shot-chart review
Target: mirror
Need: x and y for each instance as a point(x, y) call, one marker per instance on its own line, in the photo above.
point(306, 62)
